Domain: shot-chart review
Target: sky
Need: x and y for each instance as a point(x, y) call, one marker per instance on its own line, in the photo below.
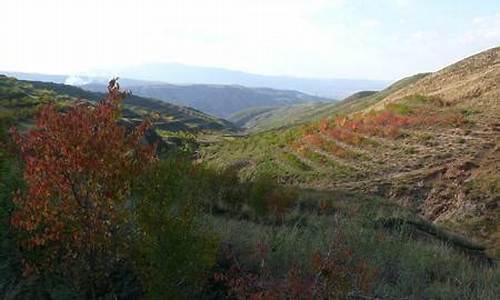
point(370, 39)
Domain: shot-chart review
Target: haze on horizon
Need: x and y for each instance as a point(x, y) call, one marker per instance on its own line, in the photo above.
point(385, 39)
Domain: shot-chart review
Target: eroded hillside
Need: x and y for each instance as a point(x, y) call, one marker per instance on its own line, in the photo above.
point(431, 144)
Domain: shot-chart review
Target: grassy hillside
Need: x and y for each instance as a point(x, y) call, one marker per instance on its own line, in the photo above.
point(241, 117)
point(259, 120)
point(359, 95)
point(20, 100)
point(307, 112)
point(218, 100)
point(392, 202)
point(428, 142)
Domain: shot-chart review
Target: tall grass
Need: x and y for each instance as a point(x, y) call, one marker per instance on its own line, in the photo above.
point(407, 266)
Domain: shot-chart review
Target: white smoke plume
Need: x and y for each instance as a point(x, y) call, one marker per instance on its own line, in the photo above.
point(77, 80)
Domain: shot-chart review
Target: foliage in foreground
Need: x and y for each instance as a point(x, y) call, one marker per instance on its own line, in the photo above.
point(369, 261)
point(78, 229)
point(78, 169)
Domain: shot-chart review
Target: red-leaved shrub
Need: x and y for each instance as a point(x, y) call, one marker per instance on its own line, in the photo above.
point(78, 168)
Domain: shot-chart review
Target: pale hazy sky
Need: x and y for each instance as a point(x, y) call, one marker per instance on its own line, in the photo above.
point(384, 39)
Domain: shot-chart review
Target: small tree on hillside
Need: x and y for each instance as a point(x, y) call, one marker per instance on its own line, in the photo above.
point(79, 166)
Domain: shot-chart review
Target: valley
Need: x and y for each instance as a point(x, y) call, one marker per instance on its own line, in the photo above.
point(249, 150)
point(390, 194)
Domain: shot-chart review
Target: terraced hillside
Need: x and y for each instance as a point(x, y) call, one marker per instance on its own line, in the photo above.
point(21, 99)
point(286, 116)
point(430, 142)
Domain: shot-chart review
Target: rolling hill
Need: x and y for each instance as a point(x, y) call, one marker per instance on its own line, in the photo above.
point(20, 99)
point(429, 142)
point(218, 100)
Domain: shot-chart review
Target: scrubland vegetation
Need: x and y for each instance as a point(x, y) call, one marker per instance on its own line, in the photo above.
point(89, 210)
point(344, 146)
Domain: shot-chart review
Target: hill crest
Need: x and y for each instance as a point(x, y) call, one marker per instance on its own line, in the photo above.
point(474, 78)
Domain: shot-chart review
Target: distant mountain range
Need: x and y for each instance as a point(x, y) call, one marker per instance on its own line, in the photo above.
point(186, 74)
point(215, 91)
point(214, 99)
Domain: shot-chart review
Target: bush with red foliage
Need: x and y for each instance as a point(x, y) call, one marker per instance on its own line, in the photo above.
point(385, 123)
point(79, 165)
point(345, 136)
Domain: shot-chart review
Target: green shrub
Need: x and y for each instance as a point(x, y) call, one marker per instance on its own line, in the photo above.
point(10, 181)
point(222, 189)
point(266, 197)
point(256, 198)
point(399, 108)
point(172, 249)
